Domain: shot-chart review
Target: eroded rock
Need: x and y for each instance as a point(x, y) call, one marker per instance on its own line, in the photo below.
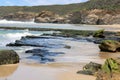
point(8, 57)
point(91, 68)
point(110, 46)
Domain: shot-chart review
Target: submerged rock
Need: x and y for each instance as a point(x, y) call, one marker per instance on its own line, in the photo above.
point(110, 46)
point(43, 55)
point(8, 57)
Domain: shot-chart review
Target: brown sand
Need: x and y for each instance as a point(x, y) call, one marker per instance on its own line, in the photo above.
point(114, 28)
point(7, 70)
point(105, 55)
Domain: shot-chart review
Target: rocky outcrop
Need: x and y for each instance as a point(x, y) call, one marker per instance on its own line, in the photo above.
point(48, 17)
point(110, 46)
point(8, 57)
point(110, 70)
point(90, 69)
point(94, 17)
point(20, 16)
point(99, 34)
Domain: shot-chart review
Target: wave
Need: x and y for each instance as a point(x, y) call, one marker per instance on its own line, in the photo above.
point(9, 36)
point(6, 21)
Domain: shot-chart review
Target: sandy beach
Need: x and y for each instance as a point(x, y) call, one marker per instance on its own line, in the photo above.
point(113, 28)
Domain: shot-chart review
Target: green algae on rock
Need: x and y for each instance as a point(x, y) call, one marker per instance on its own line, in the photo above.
point(8, 57)
point(90, 69)
point(110, 70)
point(99, 34)
point(109, 46)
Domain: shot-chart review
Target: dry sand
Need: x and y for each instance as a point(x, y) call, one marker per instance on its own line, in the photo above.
point(114, 28)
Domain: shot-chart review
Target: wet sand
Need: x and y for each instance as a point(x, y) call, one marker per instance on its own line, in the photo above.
point(54, 71)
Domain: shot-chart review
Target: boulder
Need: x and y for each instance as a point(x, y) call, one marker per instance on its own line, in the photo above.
point(99, 34)
point(110, 70)
point(90, 69)
point(8, 57)
point(20, 16)
point(110, 46)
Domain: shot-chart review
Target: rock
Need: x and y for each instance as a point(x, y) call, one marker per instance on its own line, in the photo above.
point(67, 47)
point(90, 69)
point(8, 57)
point(20, 16)
point(48, 17)
point(110, 70)
point(110, 46)
point(91, 19)
point(24, 42)
point(99, 34)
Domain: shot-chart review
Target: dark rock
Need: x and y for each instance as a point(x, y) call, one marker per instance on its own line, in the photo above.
point(36, 51)
point(23, 44)
point(45, 60)
point(99, 34)
point(43, 55)
point(67, 47)
point(85, 72)
point(8, 57)
point(110, 46)
point(90, 69)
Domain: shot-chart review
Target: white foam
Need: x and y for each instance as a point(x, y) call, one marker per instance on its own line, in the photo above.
point(6, 21)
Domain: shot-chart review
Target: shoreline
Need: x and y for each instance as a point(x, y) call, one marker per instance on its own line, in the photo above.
point(107, 28)
point(8, 69)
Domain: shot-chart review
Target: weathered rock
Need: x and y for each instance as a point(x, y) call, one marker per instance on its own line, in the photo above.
point(8, 57)
point(91, 19)
point(48, 17)
point(99, 34)
point(110, 70)
point(90, 69)
point(20, 16)
point(95, 17)
point(110, 46)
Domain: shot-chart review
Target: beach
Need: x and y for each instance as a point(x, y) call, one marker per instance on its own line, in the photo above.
point(65, 66)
